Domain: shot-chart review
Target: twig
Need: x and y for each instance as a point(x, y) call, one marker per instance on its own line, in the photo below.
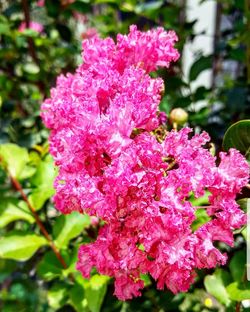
point(18, 187)
point(237, 307)
point(26, 12)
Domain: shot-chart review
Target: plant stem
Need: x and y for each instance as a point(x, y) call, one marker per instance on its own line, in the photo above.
point(18, 187)
point(32, 50)
point(26, 12)
point(237, 307)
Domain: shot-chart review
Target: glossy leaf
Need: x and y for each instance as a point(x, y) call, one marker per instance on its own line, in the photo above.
point(238, 136)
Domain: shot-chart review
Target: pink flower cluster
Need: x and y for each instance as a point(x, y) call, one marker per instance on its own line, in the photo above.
point(111, 165)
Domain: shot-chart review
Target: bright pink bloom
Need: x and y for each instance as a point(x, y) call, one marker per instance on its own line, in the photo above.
point(103, 120)
point(33, 25)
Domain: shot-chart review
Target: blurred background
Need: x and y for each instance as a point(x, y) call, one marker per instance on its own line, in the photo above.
point(40, 40)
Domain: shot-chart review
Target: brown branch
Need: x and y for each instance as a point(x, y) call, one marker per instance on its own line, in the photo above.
point(26, 12)
point(237, 307)
point(18, 187)
point(32, 50)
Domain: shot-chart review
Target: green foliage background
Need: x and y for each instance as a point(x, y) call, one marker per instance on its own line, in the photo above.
point(31, 277)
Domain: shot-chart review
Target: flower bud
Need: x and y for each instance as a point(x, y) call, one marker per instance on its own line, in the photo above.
point(178, 116)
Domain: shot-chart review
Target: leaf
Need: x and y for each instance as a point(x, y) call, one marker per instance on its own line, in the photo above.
point(201, 218)
point(239, 291)
point(68, 227)
point(43, 181)
point(14, 157)
point(20, 247)
point(95, 290)
point(31, 68)
point(238, 136)
point(45, 174)
point(148, 7)
point(203, 63)
point(77, 298)
point(216, 285)
point(11, 209)
point(58, 295)
point(50, 267)
point(39, 196)
point(244, 202)
point(237, 265)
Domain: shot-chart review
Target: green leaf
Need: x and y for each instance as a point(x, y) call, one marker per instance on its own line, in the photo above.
point(14, 158)
point(45, 174)
point(43, 181)
point(239, 291)
point(58, 295)
point(95, 290)
point(50, 267)
point(243, 202)
point(148, 7)
point(203, 63)
point(216, 285)
point(237, 265)
point(31, 68)
point(39, 196)
point(20, 247)
point(203, 200)
point(77, 298)
point(11, 209)
point(68, 227)
point(201, 218)
point(238, 136)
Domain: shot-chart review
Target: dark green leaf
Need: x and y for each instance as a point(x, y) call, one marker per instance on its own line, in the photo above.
point(203, 63)
point(238, 136)
point(237, 265)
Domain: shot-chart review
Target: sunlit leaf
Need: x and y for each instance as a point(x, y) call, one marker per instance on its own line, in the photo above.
point(14, 158)
point(20, 247)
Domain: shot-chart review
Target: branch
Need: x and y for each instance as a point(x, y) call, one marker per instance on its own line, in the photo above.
point(18, 187)
point(26, 12)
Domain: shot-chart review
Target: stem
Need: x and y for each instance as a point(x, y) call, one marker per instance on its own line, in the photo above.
point(26, 12)
point(18, 187)
point(32, 50)
point(237, 307)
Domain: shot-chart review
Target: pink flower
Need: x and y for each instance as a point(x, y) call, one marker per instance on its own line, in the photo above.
point(33, 25)
point(104, 138)
point(40, 3)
